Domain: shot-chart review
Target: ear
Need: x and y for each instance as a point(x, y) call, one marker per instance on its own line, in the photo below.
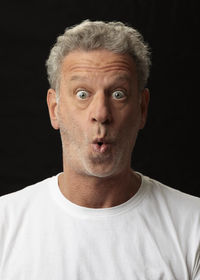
point(144, 104)
point(53, 108)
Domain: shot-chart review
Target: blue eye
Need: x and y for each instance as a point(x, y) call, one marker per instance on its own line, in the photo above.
point(118, 94)
point(82, 94)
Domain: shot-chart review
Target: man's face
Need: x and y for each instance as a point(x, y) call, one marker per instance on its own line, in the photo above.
point(99, 112)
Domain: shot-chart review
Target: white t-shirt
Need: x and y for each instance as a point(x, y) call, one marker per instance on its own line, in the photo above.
point(154, 235)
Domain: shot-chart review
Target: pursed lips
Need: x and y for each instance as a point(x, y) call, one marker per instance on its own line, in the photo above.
point(101, 145)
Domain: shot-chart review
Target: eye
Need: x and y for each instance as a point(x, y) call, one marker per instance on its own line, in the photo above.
point(118, 94)
point(82, 94)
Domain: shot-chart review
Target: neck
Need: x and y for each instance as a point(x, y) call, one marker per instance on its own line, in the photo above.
point(94, 192)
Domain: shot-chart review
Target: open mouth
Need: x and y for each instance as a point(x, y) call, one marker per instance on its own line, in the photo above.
point(101, 146)
point(100, 143)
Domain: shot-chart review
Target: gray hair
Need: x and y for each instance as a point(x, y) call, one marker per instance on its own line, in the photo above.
point(91, 35)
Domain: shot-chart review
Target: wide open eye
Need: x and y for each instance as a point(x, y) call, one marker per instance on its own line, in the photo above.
point(82, 94)
point(118, 94)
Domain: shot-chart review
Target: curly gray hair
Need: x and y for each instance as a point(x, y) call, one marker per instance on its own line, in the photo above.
point(91, 35)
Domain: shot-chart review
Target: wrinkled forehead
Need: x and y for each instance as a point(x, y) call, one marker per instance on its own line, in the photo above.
point(100, 62)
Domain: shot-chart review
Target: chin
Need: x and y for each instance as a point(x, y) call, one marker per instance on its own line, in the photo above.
point(103, 166)
point(101, 171)
point(100, 174)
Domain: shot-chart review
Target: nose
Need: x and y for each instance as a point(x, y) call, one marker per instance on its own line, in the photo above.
point(100, 109)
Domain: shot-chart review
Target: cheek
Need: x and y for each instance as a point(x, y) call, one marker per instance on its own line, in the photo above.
point(129, 128)
point(130, 118)
point(71, 126)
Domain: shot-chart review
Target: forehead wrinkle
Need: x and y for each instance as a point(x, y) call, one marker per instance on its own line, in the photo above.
point(97, 60)
point(116, 78)
point(105, 68)
point(83, 74)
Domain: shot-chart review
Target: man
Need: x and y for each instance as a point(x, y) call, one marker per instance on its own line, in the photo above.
point(99, 219)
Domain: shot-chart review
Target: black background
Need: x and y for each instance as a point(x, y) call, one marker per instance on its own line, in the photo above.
point(167, 149)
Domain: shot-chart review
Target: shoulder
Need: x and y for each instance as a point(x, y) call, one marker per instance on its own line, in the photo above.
point(22, 210)
point(178, 214)
point(171, 196)
point(179, 206)
point(26, 196)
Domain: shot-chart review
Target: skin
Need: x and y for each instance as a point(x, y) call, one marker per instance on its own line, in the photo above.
point(98, 100)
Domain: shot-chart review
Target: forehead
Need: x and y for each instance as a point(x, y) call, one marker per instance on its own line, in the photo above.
point(100, 62)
